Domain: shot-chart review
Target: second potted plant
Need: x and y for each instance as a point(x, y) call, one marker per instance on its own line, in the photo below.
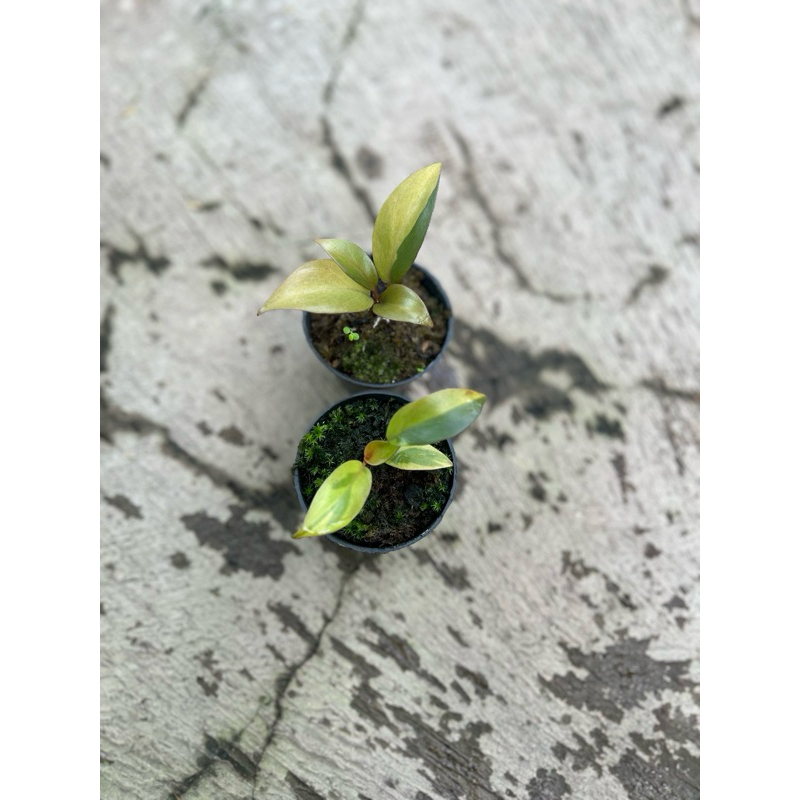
point(376, 472)
point(376, 320)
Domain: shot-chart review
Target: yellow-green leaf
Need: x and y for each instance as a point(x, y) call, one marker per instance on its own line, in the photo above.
point(352, 259)
point(402, 223)
point(402, 304)
point(321, 287)
point(378, 451)
point(435, 417)
point(419, 456)
point(338, 501)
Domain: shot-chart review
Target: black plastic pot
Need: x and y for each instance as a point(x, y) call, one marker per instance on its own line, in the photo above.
point(362, 548)
point(431, 285)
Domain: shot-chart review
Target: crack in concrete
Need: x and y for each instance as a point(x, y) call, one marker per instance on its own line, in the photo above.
point(339, 163)
point(288, 678)
point(496, 226)
point(192, 99)
point(356, 17)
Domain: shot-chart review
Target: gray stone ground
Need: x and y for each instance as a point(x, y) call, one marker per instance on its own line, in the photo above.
point(543, 642)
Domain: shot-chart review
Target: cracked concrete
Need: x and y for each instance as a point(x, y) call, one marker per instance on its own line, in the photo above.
point(236, 662)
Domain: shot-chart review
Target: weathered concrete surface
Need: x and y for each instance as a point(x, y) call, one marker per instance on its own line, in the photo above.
point(543, 642)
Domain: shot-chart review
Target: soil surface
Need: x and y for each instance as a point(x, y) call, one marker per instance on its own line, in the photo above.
point(402, 503)
point(385, 352)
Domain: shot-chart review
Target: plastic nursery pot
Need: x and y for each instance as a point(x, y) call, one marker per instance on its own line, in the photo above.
point(382, 396)
point(433, 287)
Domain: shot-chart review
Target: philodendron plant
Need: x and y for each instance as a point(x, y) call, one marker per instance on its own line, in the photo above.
point(408, 445)
point(351, 281)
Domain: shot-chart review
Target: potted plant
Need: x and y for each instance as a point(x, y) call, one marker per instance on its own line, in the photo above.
point(377, 472)
point(400, 315)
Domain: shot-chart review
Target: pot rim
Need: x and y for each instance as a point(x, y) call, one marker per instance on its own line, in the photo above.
point(359, 547)
point(428, 277)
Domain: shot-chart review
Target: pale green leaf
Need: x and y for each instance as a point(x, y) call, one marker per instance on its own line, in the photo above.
point(338, 501)
point(352, 259)
point(321, 287)
point(419, 456)
point(402, 304)
point(378, 451)
point(402, 223)
point(435, 417)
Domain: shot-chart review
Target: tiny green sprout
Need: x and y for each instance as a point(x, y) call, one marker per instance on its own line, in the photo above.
point(410, 436)
point(351, 334)
point(351, 281)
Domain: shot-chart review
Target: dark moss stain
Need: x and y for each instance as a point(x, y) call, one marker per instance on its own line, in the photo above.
point(621, 468)
point(459, 690)
point(606, 427)
point(105, 161)
point(219, 287)
point(291, 621)
point(365, 701)
point(300, 789)
point(478, 681)
point(209, 687)
point(369, 162)
point(651, 551)
point(204, 428)
point(454, 577)
point(279, 500)
point(656, 275)
point(676, 726)
point(123, 504)
point(106, 329)
point(616, 678)
point(457, 636)
point(538, 491)
point(476, 620)
point(548, 784)
point(210, 663)
point(400, 651)
point(179, 560)
point(455, 768)
point(216, 752)
point(244, 545)
point(670, 106)
point(579, 570)
point(503, 372)
point(207, 207)
point(662, 775)
point(118, 258)
point(488, 437)
point(232, 435)
point(241, 270)
point(660, 388)
point(585, 754)
point(675, 602)
point(494, 527)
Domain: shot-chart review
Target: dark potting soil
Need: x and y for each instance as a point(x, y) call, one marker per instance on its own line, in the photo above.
point(402, 503)
point(387, 352)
